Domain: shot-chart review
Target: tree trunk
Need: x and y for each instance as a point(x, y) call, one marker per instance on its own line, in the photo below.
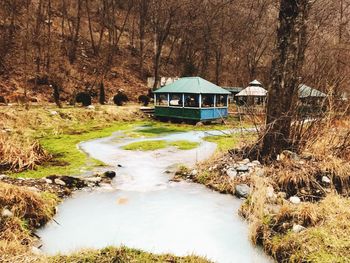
point(90, 27)
point(143, 13)
point(285, 74)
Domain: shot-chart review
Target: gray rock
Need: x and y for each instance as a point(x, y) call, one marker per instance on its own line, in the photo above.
point(194, 172)
point(232, 173)
point(270, 193)
point(6, 213)
point(110, 174)
point(298, 228)
point(36, 251)
point(60, 182)
point(2, 176)
point(93, 179)
point(53, 113)
point(326, 180)
point(289, 155)
point(260, 172)
point(246, 161)
point(91, 107)
point(242, 190)
point(256, 162)
point(251, 165)
point(242, 168)
point(48, 181)
point(295, 200)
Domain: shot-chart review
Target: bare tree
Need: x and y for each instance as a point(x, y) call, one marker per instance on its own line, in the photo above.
point(285, 74)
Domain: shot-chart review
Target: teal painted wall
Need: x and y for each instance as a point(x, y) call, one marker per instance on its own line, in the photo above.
point(191, 114)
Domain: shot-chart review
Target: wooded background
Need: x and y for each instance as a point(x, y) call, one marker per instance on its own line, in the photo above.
point(77, 44)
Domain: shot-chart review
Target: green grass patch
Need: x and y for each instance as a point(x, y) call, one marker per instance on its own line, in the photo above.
point(68, 159)
point(184, 145)
point(146, 146)
point(160, 144)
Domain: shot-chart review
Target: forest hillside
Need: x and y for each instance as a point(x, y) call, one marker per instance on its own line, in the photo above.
point(77, 45)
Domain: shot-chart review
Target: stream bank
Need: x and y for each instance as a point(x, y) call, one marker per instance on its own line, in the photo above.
point(143, 209)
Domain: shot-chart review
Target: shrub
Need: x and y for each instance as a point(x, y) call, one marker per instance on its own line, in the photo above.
point(83, 98)
point(144, 100)
point(120, 98)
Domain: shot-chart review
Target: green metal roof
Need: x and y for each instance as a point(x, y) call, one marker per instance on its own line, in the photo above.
point(233, 89)
point(307, 92)
point(194, 85)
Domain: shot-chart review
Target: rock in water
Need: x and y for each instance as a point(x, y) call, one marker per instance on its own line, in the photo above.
point(295, 200)
point(242, 190)
point(110, 174)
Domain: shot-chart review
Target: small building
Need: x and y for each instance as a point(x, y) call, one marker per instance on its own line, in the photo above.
point(307, 94)
point(191, 98)
point(254, 94)
point(234, 91)
point(311, 101)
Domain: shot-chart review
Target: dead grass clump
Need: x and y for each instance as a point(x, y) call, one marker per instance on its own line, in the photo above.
point(17, 154)
point(29, 211)
point(35, 208)
point(325, 240)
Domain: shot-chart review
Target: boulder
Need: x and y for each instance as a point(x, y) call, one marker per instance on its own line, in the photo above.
point(194, 172)
point(36, 251)
point(246, 160)
point(295, 200)
point(242, 169)
point(109, 174)
point(2, 176)
point(289, 155)
point(93, 179)
point(6, 213)
point(242, 190)
point(270, 193)
point(326, 180)
point(298, 228)
point(231, 172)
point(256, 162)
point(48, 181)
point(59, 182)
point(91, 107)
point(260, 172)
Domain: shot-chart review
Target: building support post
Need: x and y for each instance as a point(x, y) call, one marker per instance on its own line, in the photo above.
point(168, 99)
point(200, 101)
point(183, 100)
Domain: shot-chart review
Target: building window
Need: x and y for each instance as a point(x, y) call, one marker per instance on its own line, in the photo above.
point(162, 99)
point(221, 100)
point(175, 100)
point(207, 101)
point(192, 100)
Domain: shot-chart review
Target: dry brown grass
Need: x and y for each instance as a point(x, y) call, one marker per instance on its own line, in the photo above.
point(326, 212)
point(18, 154)
point(30, 210)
